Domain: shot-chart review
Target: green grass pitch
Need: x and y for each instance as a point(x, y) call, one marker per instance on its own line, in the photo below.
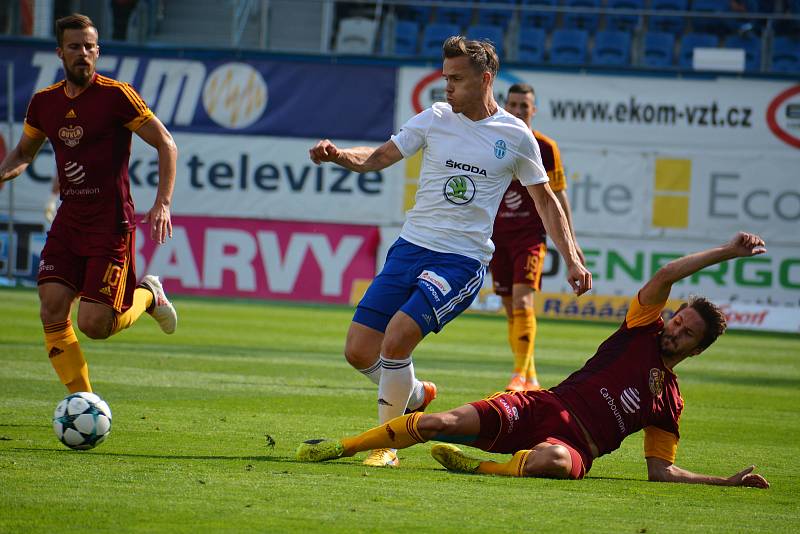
point(188, 451)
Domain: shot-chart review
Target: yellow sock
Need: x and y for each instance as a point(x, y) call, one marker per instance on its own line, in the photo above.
point(398, 433)
point(142, 298)
point(519, 363)
point(523, 338)
point(66, 356)
point(512, 468)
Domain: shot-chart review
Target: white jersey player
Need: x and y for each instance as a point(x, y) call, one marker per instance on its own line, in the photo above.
point(472, 148)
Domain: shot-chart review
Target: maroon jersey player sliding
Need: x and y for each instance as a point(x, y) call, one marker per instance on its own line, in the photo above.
point(628, 385)
point(89, 252)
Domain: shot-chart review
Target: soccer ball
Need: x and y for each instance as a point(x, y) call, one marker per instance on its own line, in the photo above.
point(82, 420)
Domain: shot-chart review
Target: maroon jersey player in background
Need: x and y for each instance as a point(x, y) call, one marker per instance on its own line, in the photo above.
point(89, 252)
point(628, 385)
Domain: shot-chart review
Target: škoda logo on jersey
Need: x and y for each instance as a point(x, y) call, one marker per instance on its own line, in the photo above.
point(70, 135)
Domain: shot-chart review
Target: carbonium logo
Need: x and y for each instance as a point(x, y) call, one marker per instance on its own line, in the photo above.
point(235, 95)
point(459, 190)
point(783, 116)
point(500, 149)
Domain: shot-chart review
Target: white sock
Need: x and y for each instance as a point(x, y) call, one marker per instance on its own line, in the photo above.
point(373, 372)
point(397, 380)
point(417, 395)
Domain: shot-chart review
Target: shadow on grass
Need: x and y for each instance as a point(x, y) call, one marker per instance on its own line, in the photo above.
point(265, 458)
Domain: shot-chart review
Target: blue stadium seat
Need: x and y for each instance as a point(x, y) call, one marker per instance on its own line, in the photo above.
point(611, 48)
point(623, 22)
point(420, 14)
point(693, 40)
point(658, 50)
point(673, 25)
point(785, 55)
point(712, 25)
point(568, 46)
point(531, 45)
point(460, 16)
point(492, 33)
point(752, 50)
point(406, 35)
point(496, 16)
point(588, 21)
point(434, 36)
point(537, 19)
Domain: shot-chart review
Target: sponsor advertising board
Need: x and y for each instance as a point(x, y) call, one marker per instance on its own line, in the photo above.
point(261, 259)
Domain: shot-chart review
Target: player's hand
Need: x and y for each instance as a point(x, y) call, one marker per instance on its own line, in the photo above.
point(323, 151)
point(579, 278)
point(745, 245)
point(746, 477)
point(160, 222)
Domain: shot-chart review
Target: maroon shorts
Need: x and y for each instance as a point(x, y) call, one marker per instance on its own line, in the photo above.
point(99, 267)
point(517, 421)
point(518, 262)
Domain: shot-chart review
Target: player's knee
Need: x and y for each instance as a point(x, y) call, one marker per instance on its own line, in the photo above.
point(53, 312)
point(553, 462)
point(432, 424)
point(95, 328)
point(357, 357)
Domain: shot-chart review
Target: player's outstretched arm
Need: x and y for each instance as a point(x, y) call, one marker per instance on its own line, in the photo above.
point(359, 159)
point(659, 470)
point(18, 159)
point(563, 200)
point(555, 223)
point(658, 288)
point(155, 134)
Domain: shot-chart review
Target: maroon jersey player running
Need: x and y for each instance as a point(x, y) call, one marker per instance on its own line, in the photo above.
point(628, 385)
point(89, 252)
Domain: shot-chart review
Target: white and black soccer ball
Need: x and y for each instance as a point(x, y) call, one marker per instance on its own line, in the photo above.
point(82, 420)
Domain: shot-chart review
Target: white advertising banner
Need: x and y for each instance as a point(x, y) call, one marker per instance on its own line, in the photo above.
point(647, 112)
point(620, 266)
point(246, 177)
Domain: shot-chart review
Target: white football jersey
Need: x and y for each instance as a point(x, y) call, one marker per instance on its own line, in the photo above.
point(466, 168)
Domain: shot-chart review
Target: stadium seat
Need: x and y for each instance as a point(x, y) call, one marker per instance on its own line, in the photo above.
point(419, 14)
point(460, 16)
point(531, 45)
point(434, 36)
point(406, 34)
point(537, 19)
point(611, 48)
point(587, 21)
point(658, 49)
point(496, 16)
point(785, 55)
point(752, 50)
point(568, 46)
point(489, 32)
point(623, 22)
point(673, 25)
point(356, 35)
point(689, 42)
point(712, 25)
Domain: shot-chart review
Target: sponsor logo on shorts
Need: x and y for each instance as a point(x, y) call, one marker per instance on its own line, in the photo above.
point(656, 381)
point(459, 190)
point(629, 400)
point(45, 267)
point(428, 318)
point(612, 405)
point(106, 291)
point(500, 149)
point(70, 135)
point(435, 280)
point(511, 413)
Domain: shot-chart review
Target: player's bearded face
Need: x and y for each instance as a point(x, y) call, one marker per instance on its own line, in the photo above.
point(682, 334)
point(79, 53)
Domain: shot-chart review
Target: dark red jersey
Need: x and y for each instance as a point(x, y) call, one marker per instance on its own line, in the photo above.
point(91, 138)
point(625, 386)
point(517, 212)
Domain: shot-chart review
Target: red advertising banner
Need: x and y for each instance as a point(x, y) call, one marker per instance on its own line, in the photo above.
point(228, 257)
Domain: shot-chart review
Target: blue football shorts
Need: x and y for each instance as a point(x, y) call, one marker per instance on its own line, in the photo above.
point(431, 287)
